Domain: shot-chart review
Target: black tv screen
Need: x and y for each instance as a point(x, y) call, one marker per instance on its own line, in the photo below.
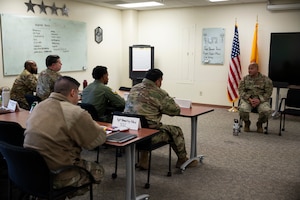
point(284, 61)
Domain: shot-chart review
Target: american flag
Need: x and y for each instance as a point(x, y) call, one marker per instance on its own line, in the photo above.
point(235, 73)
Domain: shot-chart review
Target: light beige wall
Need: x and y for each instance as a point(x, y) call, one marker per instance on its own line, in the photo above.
point(169, 31)
point(176, 35)
point(107, 53)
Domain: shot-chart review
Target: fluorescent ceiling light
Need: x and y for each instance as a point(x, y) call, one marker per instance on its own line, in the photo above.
point(217, 0)
point(141, 4)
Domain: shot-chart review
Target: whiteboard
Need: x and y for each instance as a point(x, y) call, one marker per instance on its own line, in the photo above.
point(213, 45)
point(33, 38)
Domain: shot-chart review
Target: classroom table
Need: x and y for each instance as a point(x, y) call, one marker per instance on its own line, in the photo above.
point(193, 113)
point(142, 134)
point(18, 116)
point(130, 148)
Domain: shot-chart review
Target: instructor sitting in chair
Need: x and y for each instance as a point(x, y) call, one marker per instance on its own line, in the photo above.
point(255, 91)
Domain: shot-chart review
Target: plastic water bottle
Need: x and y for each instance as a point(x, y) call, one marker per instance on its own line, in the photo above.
point(5, 96)
point(33, 105)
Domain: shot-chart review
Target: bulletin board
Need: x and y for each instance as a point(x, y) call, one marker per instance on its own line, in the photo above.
point(34, 38)
point(213, 45)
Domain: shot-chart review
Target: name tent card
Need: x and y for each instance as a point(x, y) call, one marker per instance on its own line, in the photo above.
point(12, 105)
point(124, 121)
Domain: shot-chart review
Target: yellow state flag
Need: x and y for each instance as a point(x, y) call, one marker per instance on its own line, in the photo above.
point(254, 51)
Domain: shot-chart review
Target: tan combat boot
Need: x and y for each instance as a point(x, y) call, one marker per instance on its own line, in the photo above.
point(180, 161)
point(247, 126)
point(259, 127)
point(144, 160)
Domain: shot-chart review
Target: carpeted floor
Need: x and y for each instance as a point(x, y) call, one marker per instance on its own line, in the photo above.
point(250, 166)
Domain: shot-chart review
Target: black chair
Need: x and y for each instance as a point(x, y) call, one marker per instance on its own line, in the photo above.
point(30, 98)
point(91, 109)
point(11, 133)
point(93, 112)
point(290, 105)
point(254, 110)
point(28, 171)
point(126, 89)
point(145, 145)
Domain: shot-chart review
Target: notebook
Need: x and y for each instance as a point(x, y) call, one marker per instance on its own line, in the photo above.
point(120, 137)
point(183, 103)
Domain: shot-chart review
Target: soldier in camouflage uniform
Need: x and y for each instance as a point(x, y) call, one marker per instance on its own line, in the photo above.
point(25, 83)
point(149, 100)
point(47, 78)
point(255, 90)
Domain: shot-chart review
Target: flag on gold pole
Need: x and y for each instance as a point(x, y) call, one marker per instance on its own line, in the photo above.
point(254, 51)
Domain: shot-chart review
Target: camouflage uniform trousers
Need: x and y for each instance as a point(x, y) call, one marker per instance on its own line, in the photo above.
point(174, 135)
point(264, 111)
point(95, 169)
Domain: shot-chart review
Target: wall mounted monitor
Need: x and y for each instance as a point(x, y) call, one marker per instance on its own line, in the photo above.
point(141, 59)
point(284, 61)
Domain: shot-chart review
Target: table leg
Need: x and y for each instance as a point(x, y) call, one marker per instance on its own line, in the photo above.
point(130, 173)
point(130, 190)
point(193, 153)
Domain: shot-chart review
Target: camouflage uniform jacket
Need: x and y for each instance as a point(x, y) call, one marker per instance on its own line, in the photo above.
point(260, 87)
point(151, 101)
point(102, 97)
point(45, 83)
point(25, 83)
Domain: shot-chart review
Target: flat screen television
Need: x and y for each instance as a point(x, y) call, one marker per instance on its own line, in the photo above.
point(284, 61)
point(141, 59)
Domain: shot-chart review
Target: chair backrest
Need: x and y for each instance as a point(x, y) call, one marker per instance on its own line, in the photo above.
point(91, 109)
point(32, 98)
point(11, 133)
point(142, 118)
point(293, 98)
point(122, 88)
point(27, 169)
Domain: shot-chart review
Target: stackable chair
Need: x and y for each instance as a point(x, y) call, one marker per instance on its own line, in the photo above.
point(290, 105)
point(91, 109)
point(93, 112)
point(28, 171)
point(30, 98)
point(254, 110)
point(126, 89)
point(11, 133)
point(145, 145)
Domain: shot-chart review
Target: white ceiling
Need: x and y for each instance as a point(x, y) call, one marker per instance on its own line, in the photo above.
point(180, 3)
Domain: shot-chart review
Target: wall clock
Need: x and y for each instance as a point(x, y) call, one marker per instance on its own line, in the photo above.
point(98, 35)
